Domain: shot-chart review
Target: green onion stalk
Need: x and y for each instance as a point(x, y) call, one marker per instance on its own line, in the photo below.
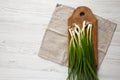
point(81, 53)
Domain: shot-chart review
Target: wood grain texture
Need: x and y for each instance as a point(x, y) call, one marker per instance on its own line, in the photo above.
point(22, 26)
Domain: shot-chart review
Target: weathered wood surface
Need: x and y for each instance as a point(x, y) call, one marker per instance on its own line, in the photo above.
point(22, 26)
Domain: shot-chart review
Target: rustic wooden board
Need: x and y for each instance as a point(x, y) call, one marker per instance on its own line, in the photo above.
point(79, 15)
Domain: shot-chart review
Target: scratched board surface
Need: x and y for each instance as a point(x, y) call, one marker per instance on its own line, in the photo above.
point(22, 26)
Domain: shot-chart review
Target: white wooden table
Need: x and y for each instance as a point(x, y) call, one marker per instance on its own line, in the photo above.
point(22, 26)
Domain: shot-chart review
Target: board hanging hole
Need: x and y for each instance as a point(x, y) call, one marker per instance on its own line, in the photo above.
point(82, 13)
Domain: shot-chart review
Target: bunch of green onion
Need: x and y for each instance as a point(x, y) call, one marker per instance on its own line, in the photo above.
point(81, 53)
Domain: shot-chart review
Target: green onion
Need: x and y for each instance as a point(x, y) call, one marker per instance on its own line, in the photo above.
point(81, 54)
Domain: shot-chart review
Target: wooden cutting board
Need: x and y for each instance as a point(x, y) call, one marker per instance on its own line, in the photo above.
point(78, 16)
